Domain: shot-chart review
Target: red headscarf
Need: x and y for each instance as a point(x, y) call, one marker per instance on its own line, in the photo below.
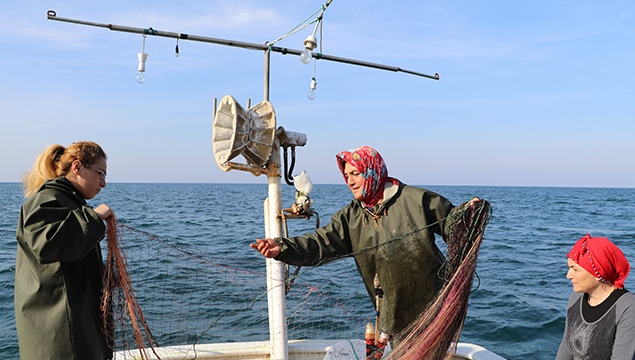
point(601, 258)
point(373, 169)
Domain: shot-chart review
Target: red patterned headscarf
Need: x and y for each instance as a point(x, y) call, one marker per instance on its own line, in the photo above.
point(373, 169)
point(601, 258)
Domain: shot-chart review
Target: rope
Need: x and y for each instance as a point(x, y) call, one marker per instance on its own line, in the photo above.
point(302, 24)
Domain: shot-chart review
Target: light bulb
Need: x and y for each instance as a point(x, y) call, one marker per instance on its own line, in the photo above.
point(309, 44)
point(305, 56)
point(141, 78)
point(311, 94)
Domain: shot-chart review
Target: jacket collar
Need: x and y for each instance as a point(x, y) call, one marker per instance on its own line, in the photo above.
point(390, 190)
point(63, 184)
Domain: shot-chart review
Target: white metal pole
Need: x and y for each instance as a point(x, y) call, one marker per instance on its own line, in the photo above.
point(270, 298)
point(275, 269)
point(276, 272)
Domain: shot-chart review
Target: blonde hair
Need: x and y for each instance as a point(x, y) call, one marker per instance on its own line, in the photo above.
point(56, 161)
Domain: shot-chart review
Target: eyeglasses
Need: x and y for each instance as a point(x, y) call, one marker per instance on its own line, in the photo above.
point(102, 173)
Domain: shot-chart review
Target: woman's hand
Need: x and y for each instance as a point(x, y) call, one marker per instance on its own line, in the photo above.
point(474, 201)
point(104, 211)
point(267, 247)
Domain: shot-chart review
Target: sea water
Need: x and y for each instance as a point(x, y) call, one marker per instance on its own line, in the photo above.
point(517, 309)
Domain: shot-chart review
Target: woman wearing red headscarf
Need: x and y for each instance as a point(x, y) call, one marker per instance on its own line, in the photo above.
point(383, 210)
point(601, 312)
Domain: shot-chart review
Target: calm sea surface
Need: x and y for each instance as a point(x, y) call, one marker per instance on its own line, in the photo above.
point(517, 311)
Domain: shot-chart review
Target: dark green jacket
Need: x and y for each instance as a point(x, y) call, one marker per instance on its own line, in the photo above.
point(407, 267)
point(58, 279)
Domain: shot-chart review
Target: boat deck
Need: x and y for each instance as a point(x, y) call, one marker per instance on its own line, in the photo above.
point(298, 350)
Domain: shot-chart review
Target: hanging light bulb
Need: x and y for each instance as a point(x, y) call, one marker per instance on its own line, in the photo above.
point(141, 68)
point(311, 94)
point(309, 44)
point(141, 78)
point(176, 49)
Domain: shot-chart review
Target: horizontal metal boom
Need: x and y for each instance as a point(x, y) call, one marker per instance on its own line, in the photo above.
point(51, 15)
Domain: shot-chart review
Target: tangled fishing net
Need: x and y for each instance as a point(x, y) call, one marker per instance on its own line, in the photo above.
point(119, 304)
point(439, 327)
point(192, 296)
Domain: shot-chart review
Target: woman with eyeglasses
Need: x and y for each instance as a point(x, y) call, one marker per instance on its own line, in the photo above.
point(59, 266)
point(600, 322)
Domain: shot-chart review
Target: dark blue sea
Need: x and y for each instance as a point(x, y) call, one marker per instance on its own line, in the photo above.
point(198, 234)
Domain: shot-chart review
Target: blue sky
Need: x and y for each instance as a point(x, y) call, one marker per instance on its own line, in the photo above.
point(531, 93)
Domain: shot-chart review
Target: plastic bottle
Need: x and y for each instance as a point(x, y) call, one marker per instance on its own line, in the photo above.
point(369, 339)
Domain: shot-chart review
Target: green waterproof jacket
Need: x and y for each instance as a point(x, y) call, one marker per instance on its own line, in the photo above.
point(58, 277)
point(407, 262)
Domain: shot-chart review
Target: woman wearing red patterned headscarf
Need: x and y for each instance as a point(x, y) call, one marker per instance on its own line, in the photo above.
point(600, 321)
point(383, 209)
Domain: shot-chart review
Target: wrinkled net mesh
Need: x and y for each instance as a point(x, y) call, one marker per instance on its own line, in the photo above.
point(163, 293)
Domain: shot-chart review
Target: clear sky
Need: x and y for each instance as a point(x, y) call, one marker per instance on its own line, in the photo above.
point(531, 93)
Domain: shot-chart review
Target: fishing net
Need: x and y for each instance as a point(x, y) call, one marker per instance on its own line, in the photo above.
point(168, 299)
point(192, 297)
point(119, 304)
point(439, 327)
